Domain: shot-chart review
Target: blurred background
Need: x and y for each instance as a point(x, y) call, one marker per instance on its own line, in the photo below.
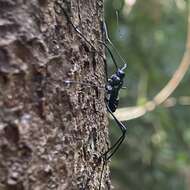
point(151, 36)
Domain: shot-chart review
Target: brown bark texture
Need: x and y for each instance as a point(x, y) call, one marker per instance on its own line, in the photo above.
point(51, 134)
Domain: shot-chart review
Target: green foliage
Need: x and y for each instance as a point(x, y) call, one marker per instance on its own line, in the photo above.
point(151, 36)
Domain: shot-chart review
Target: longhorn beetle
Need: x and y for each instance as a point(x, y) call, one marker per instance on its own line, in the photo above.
point(112, 88)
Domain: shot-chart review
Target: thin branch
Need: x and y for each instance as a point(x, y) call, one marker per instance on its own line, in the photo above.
point(130, 113)
point(133, 112)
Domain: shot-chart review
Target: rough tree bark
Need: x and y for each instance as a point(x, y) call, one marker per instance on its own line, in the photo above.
point(51, 134)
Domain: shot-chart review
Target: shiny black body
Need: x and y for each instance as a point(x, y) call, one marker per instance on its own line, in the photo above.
point(113, 87)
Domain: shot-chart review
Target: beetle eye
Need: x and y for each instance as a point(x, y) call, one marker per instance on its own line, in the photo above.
point(120, 74)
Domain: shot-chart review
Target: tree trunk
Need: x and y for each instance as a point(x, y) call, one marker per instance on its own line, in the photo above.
point(51, 134)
